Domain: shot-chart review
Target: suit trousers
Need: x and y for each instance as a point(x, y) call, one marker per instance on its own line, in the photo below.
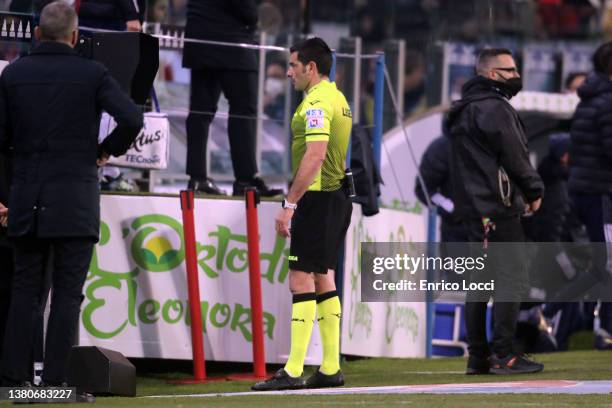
point(71, 258)
point(510, 278)
point(240, 89)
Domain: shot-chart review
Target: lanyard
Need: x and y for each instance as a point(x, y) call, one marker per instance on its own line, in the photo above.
point(488, 226)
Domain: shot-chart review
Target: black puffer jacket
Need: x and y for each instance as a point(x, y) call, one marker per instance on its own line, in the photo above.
point(435, 169)
point(591, 132)
point(488, 135)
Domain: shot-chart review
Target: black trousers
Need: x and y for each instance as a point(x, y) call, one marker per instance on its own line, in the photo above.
point(510, 277)
point(6, 278)
point(593, 210)
point(240, 89)
point(70, 265)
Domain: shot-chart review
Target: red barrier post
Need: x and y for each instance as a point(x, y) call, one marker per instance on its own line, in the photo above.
point(259, 354)
point(197, 337)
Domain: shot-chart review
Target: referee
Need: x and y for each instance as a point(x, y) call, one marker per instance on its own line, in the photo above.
point(319, 211)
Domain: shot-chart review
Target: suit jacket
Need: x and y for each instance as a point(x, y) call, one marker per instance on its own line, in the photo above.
point(50, 107)
point(220, 20)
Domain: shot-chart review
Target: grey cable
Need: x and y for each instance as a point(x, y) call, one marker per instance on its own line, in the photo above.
point(400, 116)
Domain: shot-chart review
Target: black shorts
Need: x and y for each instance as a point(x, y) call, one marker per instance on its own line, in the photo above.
point(318, 228)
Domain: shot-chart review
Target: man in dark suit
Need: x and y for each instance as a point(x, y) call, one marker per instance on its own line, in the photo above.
point(50, 106)
point(233, 70)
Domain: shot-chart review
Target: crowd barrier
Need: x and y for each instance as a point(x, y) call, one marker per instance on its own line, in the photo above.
point(136, 294)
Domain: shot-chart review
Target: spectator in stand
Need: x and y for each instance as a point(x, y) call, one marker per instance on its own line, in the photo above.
point(274, 91)
point(415, 98)
point(157, 11)
point(270, 18)
point(606, 19)
point(573, 81)
point(566, 18)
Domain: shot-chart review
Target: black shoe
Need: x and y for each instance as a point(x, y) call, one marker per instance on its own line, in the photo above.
point(477, 366)
point(118, 183)
point(23, 384)
point(259, 184)
point(81, 397)
point(514, 364)
point(603, 342)
point(206, 186)
point(280, 381)
point(85, 397)
point(320, 380)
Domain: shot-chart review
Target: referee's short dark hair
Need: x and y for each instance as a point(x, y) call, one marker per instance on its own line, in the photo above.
point(315, 50)
point(602, 59)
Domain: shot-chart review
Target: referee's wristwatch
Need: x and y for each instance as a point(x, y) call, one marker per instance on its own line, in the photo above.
point(286, 204)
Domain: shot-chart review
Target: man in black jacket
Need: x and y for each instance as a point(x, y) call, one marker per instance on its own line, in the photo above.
point(435, 169)
point(493, 184)
point(50, 106)
point(217, 68)
point(436, 172)
point(590, 181)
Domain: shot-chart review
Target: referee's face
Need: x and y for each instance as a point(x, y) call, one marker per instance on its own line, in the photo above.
point(299, 74)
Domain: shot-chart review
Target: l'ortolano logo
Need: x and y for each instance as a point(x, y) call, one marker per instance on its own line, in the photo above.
point(153, 251)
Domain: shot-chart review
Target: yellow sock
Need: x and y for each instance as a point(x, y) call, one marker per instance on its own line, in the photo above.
point(302, 320)
point(329, 313)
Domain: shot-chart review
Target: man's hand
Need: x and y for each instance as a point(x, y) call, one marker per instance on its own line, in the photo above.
point(133, 25)
point(101, 162)
point(282, 222)
point(3, 215)
point(535, 206)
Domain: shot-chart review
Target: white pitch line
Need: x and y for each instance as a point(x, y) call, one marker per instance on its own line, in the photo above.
point(518, 387)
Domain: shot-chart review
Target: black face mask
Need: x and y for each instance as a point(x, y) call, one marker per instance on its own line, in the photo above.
point(510, 87)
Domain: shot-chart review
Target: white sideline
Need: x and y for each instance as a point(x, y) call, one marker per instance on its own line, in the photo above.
point(510, 387)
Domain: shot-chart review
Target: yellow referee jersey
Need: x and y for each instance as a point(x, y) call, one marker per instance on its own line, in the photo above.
point(323, 115)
